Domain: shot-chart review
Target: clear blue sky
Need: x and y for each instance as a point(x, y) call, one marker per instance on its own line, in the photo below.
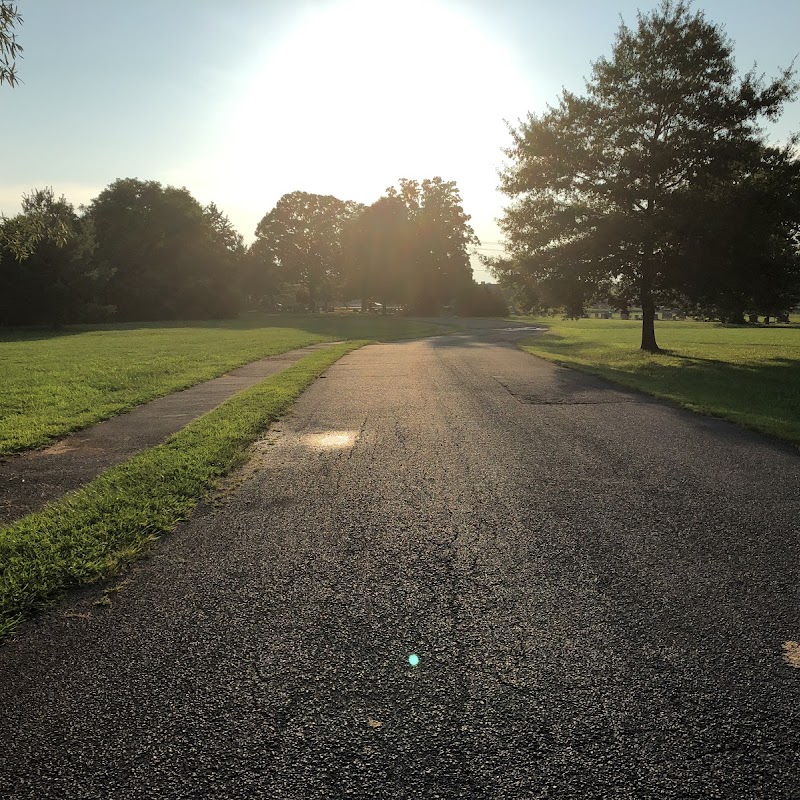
point(245, 100)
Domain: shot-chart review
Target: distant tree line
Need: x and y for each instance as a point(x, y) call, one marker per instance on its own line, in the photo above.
point(656, 186)
point(143, 251)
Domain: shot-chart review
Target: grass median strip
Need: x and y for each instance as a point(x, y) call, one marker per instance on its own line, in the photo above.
point(748, 375)
point(92, 532)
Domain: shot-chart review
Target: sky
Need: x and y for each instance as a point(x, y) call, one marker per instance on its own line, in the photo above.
point(246, 100)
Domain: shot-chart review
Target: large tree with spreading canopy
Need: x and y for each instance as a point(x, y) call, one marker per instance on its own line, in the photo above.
point(601, 182)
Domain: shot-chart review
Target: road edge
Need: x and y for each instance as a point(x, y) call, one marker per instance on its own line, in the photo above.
point(94, 532)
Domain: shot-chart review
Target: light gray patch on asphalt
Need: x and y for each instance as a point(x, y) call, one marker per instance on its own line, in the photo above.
point(331, 440)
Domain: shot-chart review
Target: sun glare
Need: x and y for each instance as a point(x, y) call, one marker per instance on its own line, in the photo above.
point(364, 92)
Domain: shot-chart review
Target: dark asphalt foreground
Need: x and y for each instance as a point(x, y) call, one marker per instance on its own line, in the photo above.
point(598, 587)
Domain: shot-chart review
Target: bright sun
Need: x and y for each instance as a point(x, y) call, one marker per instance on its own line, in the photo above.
point(365, 92)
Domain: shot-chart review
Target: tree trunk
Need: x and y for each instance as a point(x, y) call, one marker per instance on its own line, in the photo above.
point(648, 321)
point(734, 318)
point(646, 289)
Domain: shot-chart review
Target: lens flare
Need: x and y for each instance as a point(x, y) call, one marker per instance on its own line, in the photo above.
point(413, 659)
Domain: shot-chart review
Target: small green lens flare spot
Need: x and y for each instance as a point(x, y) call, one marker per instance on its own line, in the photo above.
point(413, 659)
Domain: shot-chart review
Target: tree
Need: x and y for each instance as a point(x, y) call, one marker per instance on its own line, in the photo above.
point(47, 274)
point(535, 292)
point(377, 248)
point(304, 234)
point(438, 267)
point(221, 230)
point(750, 247)
point(261, 280)
point(168, 257)
point(600, 181)
point(224, 253)
point(10, 49)
point(481, 300)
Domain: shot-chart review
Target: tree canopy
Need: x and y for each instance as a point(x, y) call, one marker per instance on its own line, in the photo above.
point(748, 247)
point(378, 247)
point(438, 268)
point(410, 247)
point(144, 251)
point(304, 235)
point(167, 257)
point(47, 273)
point(602, 183)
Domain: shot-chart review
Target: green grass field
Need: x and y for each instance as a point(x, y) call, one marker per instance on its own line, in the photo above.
point(748, 375)
point(53, 383)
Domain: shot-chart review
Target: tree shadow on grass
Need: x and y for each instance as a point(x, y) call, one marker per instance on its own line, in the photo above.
point(764, 396)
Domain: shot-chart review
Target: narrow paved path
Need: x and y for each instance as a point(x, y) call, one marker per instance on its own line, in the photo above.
point(599, 589)
point(32, 479)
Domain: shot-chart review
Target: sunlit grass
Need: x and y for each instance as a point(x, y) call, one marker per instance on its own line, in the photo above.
point(92, 532)
point(56, 382)
point(749, 375)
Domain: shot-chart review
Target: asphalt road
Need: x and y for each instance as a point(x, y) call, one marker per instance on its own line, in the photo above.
point(598, 587)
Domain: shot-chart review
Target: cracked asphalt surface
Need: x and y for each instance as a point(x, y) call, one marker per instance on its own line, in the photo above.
point(599, 588)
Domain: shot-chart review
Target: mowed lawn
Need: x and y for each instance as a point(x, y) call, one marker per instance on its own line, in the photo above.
point(748, 375)
point(53, 383)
